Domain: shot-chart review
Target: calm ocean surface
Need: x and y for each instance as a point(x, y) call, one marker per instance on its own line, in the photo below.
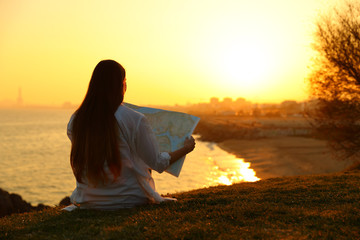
point(34, 158)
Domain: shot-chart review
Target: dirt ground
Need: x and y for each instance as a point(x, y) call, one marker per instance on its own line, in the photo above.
point(285, 156)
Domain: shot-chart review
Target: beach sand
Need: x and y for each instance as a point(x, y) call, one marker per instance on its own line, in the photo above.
point(285, 156)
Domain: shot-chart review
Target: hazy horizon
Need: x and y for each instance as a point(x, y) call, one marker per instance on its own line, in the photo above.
point(174, 52)
point(13, 103)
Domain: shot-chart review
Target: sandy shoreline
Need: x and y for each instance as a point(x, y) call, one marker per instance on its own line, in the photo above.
point(285, 156)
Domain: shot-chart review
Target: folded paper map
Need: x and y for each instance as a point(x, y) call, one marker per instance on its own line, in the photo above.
point(171, 129)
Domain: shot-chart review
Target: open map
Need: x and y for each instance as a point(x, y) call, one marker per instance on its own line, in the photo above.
point(171, 129)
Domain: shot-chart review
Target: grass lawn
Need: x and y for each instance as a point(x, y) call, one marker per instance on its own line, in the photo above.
point(304, 207)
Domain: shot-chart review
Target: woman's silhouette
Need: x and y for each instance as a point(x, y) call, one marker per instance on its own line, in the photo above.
point(113, 147)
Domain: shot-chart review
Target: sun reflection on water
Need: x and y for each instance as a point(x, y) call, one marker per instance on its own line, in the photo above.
point(230, 171)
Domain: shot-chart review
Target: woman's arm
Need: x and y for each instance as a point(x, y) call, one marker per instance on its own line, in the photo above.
point(148, 149)
point(189, 146)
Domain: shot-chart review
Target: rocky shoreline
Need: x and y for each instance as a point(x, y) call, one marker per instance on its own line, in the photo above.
point(13, 203)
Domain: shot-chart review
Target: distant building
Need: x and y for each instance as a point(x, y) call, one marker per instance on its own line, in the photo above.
point(214, 101)
point(67, 105)
point(291, 107)
point(227, 101)
point(19, 100)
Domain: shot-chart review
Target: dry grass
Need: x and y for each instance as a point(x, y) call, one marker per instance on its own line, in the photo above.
point(304, 207)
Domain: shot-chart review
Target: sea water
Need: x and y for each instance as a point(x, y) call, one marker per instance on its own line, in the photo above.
point(34, 159)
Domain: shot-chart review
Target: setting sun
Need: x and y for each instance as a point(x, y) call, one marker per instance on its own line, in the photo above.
point(246, 65)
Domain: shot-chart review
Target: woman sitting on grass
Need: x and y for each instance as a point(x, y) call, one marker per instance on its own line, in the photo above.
point(113, 147)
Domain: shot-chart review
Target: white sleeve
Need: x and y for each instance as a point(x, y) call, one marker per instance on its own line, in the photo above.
point(148, 149)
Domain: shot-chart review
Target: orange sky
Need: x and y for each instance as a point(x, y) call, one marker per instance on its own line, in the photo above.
point(175, 52)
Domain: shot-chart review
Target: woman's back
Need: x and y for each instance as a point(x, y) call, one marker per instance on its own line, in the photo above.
point(135, 183)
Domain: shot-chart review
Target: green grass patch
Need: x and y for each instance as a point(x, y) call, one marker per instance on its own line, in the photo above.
point(304, 207)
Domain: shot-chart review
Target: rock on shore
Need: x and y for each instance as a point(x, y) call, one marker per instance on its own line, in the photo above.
point(13, 203)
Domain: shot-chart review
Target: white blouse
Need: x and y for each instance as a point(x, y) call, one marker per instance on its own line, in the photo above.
point(139, 153)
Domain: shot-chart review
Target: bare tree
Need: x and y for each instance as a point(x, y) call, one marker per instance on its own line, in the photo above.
point(335, 80)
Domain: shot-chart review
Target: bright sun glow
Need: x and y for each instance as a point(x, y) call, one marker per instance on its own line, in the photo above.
point(245, 64)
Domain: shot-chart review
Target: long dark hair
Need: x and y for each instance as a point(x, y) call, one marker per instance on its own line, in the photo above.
point(94, 128)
